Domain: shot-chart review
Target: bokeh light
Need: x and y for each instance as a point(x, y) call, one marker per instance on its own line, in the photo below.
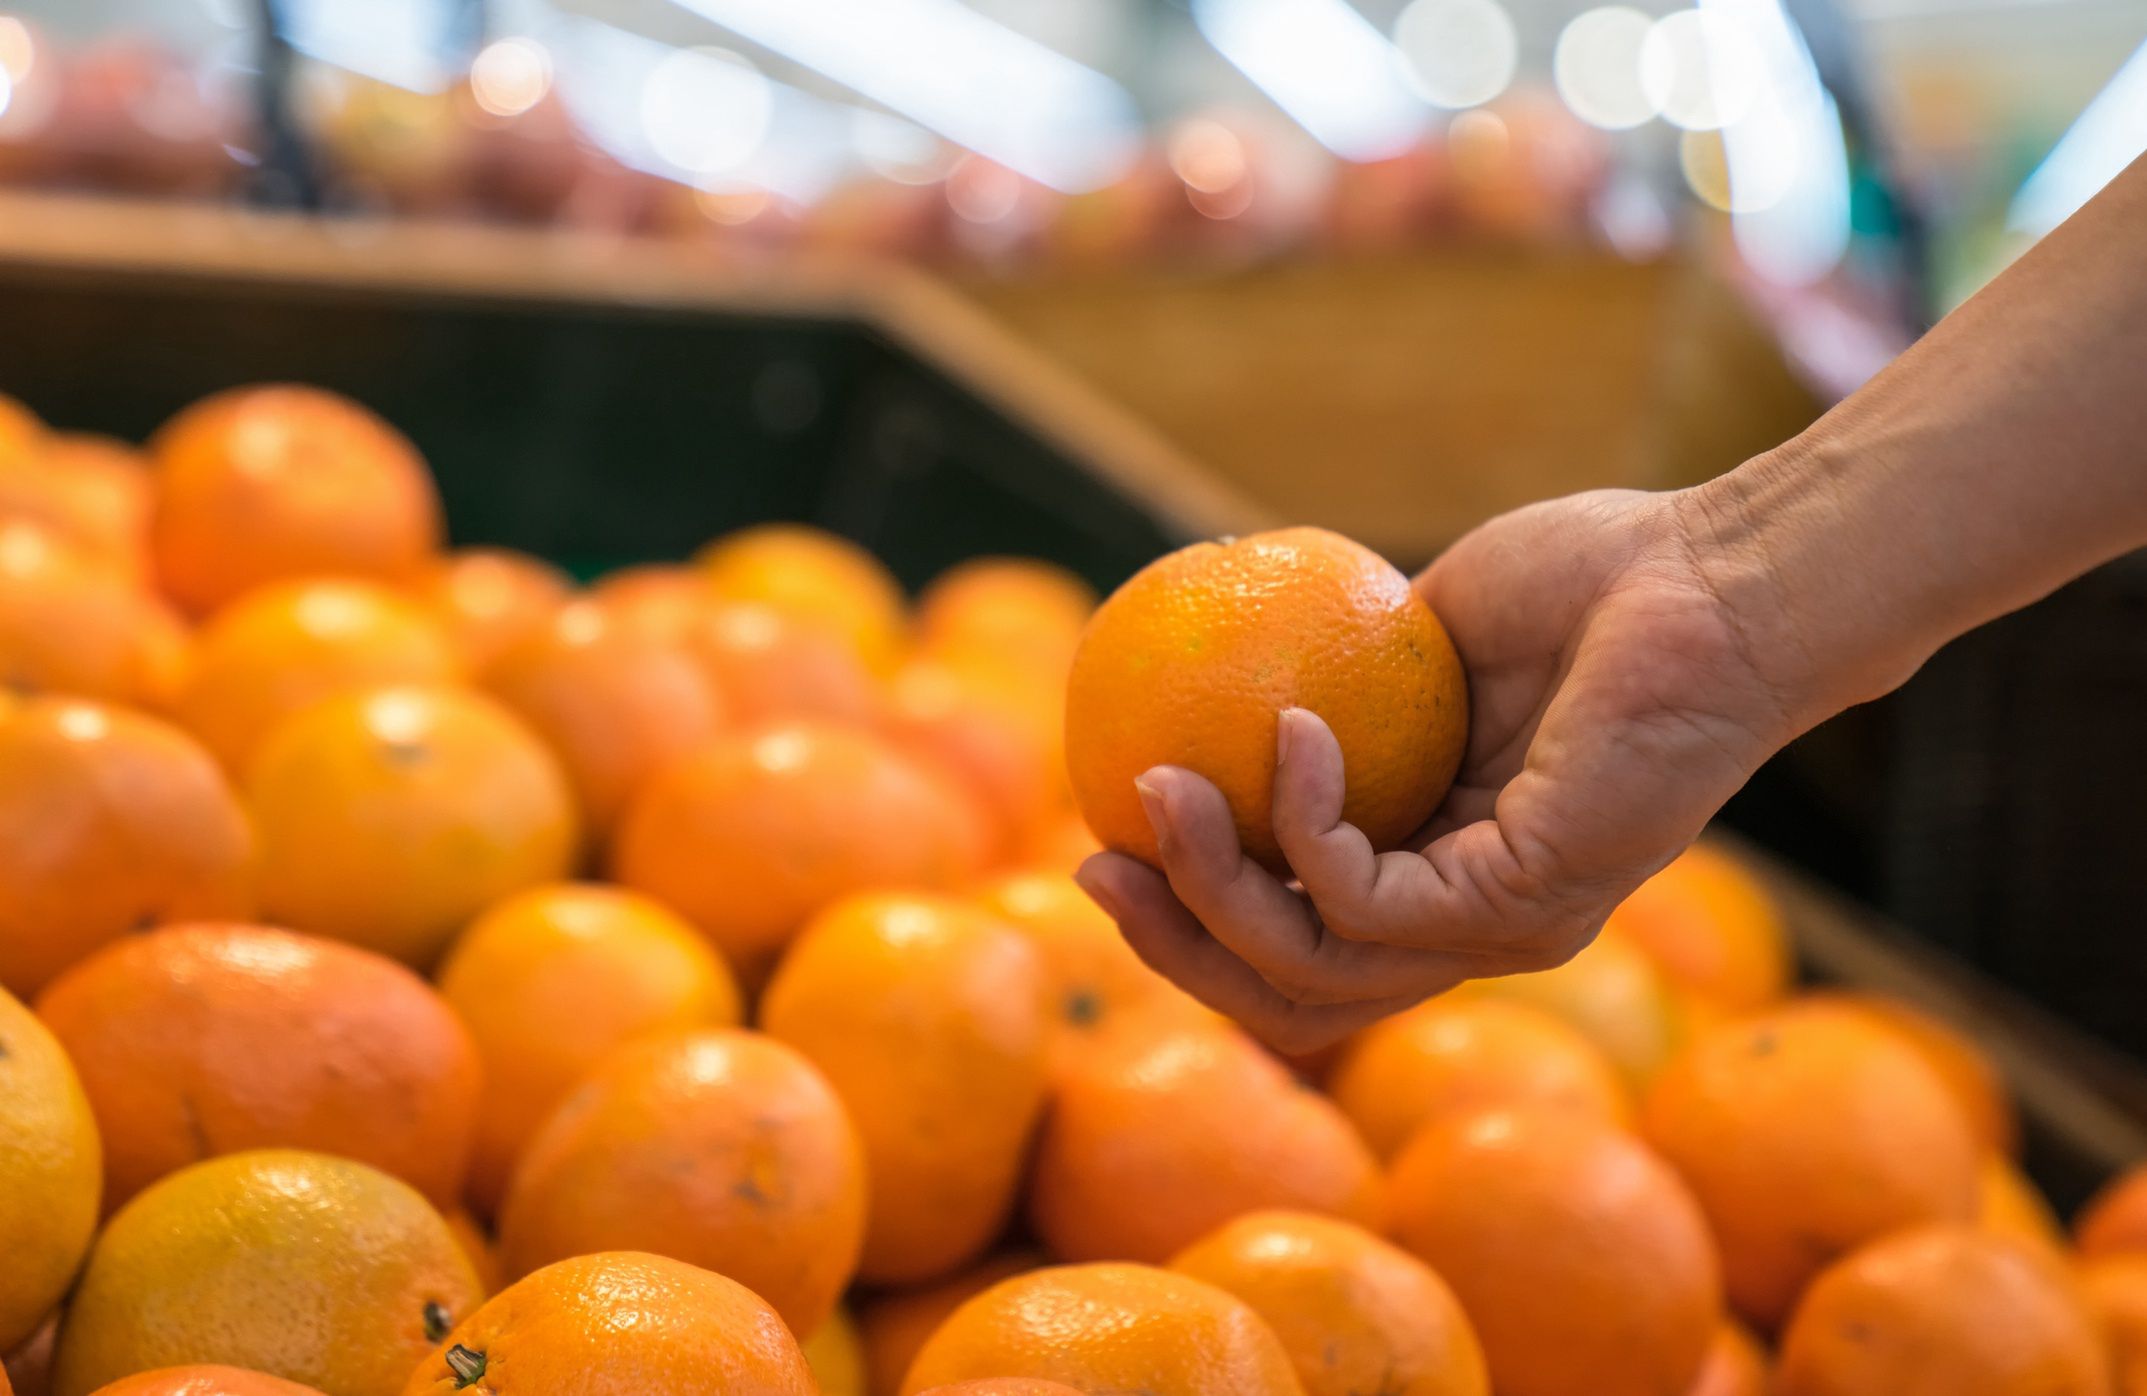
point(899, 150)
point(509, 76)
point(706, 109)
point(1460, 53)
point(18, 50)
point(1480, 144)
point(1701, 68)
point(981, 191)
point(731, 205)
point(1596, 67)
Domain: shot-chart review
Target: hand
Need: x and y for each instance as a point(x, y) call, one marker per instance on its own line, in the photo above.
point(1616, 704)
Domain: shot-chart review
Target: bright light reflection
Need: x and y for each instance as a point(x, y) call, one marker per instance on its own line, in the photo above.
point(1787, 159)
point(2109, 135)
point(706, 109)
point(1596, 67)
point(18, 51)
point(1461, 53)
point(1701, 68)
point(1326, 67)
point(509, 76)
point(392, 41)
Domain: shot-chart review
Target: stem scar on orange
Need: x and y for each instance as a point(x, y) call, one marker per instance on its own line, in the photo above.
point(1191, 660)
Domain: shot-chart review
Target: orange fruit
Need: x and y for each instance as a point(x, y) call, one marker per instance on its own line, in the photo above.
point(663, 600)
point(997, 734)
point(1448, 1056)
point(29, 1366)
point(110, 821)
point(1611, 993)
point(1109, 1328)
point(895, 1324)
point(2115, 1288)
point(1154, 1139)
point(1354, 1313)
point(391, 816)
point(770, 666)
point(1003, 1386)
point(613, 703)
point(725, 1149)
point(260, 484)
point(1805, 1132)
point(836, 1355)
point(1942, 1310)
point(279, 650)
point(1734, 1367)
point(817, 577)
point(756, 831)
point(550, 981)
point(1711, 928)
point(49, 1172)
point(1014, 609)
point(1189, 662)
point(1969, 1074)
point(2009, 1204)
point(488, 598)
point(70, 624)
point(618, 1322)
point(477, 1248)
point(927, 1017)
point(1064, 843)
point(92, 489)
point(205, 1380)
point(200, 1040)
point(21, 433)
point(2114, 1220)
point(1582, 1260)
point(1095, 980)
point(316, 1269)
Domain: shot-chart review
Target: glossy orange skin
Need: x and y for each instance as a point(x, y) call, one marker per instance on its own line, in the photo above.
point(554, 978)
point(1734, 1367)
point(622, 1324)
point(93, 489)
point(214, 1039)
point(205, 1381)
point(1712, 929)
point(488, 598)
point(613, 703)
point(1014, 608)
point(1450, 1056)
point(1805, 1132)
point(756, 831)
point(896, 1324)
point(1157, 1138)
point(391, 816)
point(277, 651)
point(927, 1016)
point(1970, 1076)
point(1355, 1313)
point(2115, 1219)
point(1580, 1257)
point(260, 484)
point(2009, 1204)
point(771, 667)
point(2115, 1288)
point(665, 601)
point(49, 1173)
point(724, 1149)
point(1942, 1311)
point(71, 624)
point(997, 733)
point(818, 577)
point(1109, 1328)
point(109, 821)
point(1189, 662)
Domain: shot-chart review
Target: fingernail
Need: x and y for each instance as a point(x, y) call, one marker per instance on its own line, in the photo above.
point(1284, 720)
point(1151, 794)
point(1097, 891)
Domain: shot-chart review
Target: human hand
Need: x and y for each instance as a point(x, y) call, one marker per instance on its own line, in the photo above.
point(1617, 700)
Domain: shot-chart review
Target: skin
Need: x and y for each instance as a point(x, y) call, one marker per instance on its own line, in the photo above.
point(1634, 657)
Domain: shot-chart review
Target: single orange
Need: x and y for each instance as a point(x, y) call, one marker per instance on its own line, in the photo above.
point(21, 433)
point(724, 1148)
point(752, 834)
point(110, 822)
point(391, 816)
point(614, 704)
point(770, 666)
point(1971, 1077)
point(818, 577)
point(93, 489)
point(200, 1040)
point(70, 624)
point(2115, 1288)
point(1805, 1132)
point(307, 1267)
point(550, 981)
point(1189, 662)
point(665, 601)
point(1109, 1328)
point(1734, 1367)
point(279, 650)
point(2114, 1220)
point(895, 1324)
point(202, 1380)
point(927, 1016)
point(997, 733)
point(611, 1323)
point(49, 1173)
point(477, 1247)
point(1581, 1258)
point(1154, 1139)
point(1449, 1056)
point(1014, 609)
point(1943, 1310)
point(1613, 995)
point(1712, 929)
point(261, 484)
point(836, 1355)
point(1355, 1314)
point(488, 598)
point(2009, 1204)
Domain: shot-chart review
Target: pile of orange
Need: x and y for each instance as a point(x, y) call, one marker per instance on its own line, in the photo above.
point(425, 975)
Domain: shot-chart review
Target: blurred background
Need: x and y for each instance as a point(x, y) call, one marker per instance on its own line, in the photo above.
point(1087, 278)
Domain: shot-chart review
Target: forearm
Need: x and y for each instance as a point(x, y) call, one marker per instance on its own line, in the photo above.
point(2001, 456)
